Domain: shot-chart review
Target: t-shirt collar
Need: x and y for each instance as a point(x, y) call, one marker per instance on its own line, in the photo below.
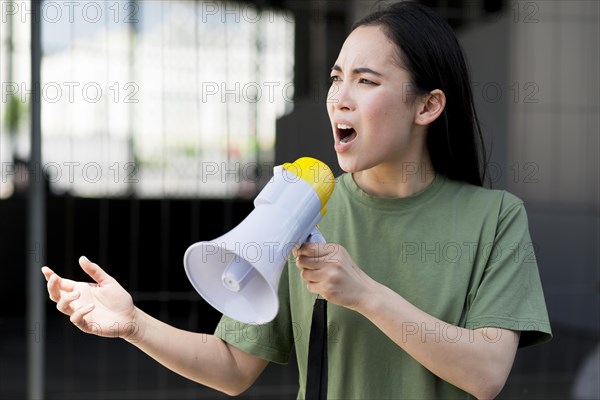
point(347, 180)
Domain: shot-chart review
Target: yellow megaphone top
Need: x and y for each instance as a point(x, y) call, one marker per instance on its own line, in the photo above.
point(317, 174)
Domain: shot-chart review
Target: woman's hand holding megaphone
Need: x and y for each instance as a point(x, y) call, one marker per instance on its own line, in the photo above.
point(102, 308)
point(329, 271)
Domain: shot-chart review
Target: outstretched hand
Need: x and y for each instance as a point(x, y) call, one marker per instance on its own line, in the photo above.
point(102, 308)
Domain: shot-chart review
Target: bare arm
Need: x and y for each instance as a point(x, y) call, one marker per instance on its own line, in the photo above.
point(477, 361)
point(203, 358)
point(99, 307)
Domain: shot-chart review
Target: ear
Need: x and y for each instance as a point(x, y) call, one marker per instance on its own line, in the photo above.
point(431, 106)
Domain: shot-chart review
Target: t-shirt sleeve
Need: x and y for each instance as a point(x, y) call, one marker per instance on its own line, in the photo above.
point(272, 341)
point(510, 294)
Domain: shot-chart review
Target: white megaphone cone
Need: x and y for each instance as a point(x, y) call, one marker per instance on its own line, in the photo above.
point(238, 273)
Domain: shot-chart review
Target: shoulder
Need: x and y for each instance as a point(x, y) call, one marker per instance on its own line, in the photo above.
point(480, 197)
point(499, 213)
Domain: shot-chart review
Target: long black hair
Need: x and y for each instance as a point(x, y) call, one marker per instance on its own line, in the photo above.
point(430, 51)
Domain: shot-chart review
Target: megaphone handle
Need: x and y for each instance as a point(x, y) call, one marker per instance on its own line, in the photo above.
point(316, 380)
point(316, 374)
point(316, 236)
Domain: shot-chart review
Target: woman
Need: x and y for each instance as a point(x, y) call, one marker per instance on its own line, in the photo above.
point(429, 276)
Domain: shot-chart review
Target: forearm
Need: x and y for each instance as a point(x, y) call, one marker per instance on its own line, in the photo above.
point(468, 359)
point(202, 358)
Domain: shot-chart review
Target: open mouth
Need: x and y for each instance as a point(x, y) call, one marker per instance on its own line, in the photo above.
point(345, 133)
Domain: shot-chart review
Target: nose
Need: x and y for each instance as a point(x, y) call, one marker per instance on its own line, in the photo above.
point(340, 97)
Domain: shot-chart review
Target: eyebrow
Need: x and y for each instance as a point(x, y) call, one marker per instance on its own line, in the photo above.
point(357, 70)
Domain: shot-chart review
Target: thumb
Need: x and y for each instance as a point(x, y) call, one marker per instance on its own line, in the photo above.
point(310, 249)
point(94, 270)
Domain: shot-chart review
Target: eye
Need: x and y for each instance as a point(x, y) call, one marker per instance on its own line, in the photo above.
point(366, 81)
point(334, 78)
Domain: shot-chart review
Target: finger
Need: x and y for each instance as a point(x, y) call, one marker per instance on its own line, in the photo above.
point(64, 284)
point(305, 255)
point(310, 275)
point(57, 283)
point(307, 249)
point(310, 262)
point(77, 318)
point(295, 252)
point(57, 286)
point(94, 270)
point(47, 272)
point(319, 252)
point(64, 305)
point(305, 263)
point(53, 289)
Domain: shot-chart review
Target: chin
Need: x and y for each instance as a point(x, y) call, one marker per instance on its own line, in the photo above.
point(347, 165)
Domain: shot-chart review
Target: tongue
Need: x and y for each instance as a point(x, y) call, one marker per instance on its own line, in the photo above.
point(348, 138)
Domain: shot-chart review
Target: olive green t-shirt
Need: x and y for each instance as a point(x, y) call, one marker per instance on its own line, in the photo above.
point(459, 252)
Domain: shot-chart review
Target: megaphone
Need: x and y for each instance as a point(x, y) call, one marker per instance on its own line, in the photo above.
point(238, 273)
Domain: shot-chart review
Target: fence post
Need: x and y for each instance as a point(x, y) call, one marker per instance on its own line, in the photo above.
point(36, 225)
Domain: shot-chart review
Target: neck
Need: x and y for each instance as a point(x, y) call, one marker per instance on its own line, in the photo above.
point(400, 179)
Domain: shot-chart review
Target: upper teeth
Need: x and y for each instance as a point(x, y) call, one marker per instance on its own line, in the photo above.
point(343, 126)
